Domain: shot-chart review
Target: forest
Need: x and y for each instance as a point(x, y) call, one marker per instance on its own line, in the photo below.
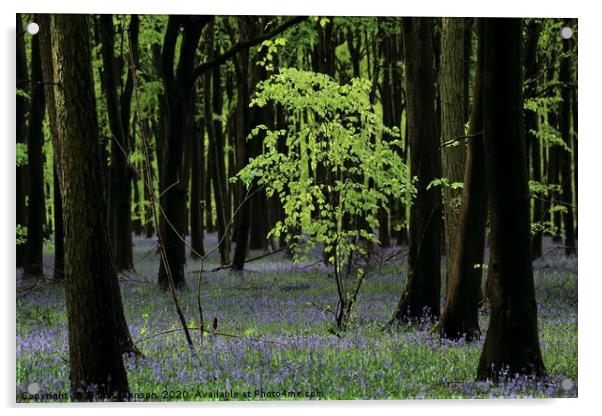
point(295, 207)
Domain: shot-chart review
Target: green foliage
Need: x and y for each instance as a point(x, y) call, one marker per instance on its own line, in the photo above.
point(21, 154)
point(23, 93)
point(543, 189)
point(267, 50)
point(21, 234)
point(445, 183)
point(332, 129)
point(336, 172)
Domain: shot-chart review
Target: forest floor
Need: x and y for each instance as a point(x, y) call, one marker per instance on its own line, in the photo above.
point(282, 348)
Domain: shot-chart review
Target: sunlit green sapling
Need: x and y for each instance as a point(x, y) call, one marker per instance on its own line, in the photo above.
point(333, 166)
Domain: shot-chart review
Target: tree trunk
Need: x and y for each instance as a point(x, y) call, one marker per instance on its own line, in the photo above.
point(93, 297)
point(422, 291)
point(21, 110)
point(460, 316)
point(453, 158)
point(36, 207)
point(246, 25)
point(565, 157)
point(512, 341)
point(213, 105)
point(120, 183)
point(574, 118)
point(531, 127)
point(178, 88)
point(59, 248)
point(197, 174)
point(387, 100)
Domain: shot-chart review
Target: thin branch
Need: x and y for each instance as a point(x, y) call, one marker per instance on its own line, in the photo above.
point(227, 266)
point(201, 69)
point(457, 139)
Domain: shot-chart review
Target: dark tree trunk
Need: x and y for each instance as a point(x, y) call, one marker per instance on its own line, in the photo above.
point(36, 211)
point(213, 105)
point(21, 110)
point(565, 157)
point(94, 307)
point(467, 65)
point(451, 92)
point(137, 222)
point(512, 341)
point(178, 87)
point(387, 101)
point(208, 186)
point(423, 286)
point(574, 119)
point(553, 175)
point(531, 127)
point(59, 248)
point(460, 316)
point(246, 25)
point(120, 225)
point(149, 226)
point(197, 175)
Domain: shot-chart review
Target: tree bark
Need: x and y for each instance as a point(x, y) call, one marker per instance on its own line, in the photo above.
point(460, 315)
point(21, 110)
point(213, 106)
point(120, 182)
point(197, 174)
point(565, 157)
point(512, 341)
point(422, 291)
point(178, 87)
point(59, 248)
point(94, 307)
point(453, 158)
point(36, 212)
point(531, 127)
point(246, 26)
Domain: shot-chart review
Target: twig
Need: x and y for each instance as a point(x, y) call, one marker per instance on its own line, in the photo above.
point(223, 334)
point(457, 139)
point(228, 266)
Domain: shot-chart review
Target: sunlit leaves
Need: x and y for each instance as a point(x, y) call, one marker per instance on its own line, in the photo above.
point(336, 165)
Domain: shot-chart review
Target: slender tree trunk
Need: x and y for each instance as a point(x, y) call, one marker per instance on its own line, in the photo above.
point(460, 316)
point(451, 90)
point(213, 105)
point(120, 228)
point(149, 226)
point(553, 174)
point(196, 210)
point(423, 286)
point(59, 248)
point(243, 150)
point(137, 222)
point(565, 157)
point(36, 208)
point(531, 127)
point(389, 121)
point(575, 120)
point(468, 28)
point(94, 305)
point(21, 110)
point(512, 341)
point(178, 87)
